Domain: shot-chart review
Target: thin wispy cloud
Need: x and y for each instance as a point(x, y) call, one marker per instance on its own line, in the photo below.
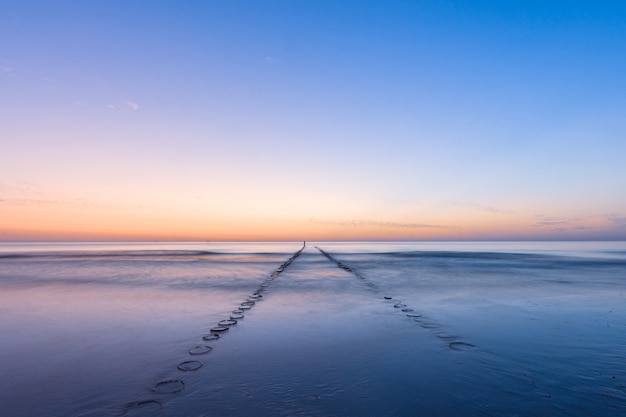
point(484, 207)
point(551, 223)
point(545, 221)
point(30, 194)
point(20, 188)
point(126, 105)
point(617, 220)
point(576, 225)
point(74, 203)
point(559, 225)
point(378, 223)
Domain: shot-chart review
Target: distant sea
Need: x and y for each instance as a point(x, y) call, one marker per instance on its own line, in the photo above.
point(331, 329)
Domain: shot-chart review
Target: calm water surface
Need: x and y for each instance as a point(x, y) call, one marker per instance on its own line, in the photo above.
point(495, 329)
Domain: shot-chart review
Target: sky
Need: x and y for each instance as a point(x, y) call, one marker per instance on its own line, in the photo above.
point(312, 120)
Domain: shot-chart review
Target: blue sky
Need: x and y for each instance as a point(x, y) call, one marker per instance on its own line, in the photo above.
point(321, 119)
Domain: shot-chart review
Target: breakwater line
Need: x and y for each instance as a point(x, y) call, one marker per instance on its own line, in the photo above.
point(348, 269)
point(452, 341)
point(219, 329)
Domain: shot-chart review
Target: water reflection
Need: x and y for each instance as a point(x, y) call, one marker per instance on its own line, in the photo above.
point(514, 329)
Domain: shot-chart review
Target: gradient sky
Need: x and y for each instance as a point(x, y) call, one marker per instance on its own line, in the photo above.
point(320, 119)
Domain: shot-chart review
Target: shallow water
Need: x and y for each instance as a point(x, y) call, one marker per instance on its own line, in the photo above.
point(496, 329)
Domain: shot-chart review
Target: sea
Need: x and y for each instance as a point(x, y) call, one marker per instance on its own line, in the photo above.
point(313, 329)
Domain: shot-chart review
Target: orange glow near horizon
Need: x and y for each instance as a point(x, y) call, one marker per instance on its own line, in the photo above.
point(57, 223)
point(291, 213)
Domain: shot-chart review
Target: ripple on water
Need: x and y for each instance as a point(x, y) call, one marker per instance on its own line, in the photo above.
point(169, 386)
point(190, 365)
point(200, 350)
point(139, 407)
point(445, 336)
point(461, 346)
point(219, 329)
